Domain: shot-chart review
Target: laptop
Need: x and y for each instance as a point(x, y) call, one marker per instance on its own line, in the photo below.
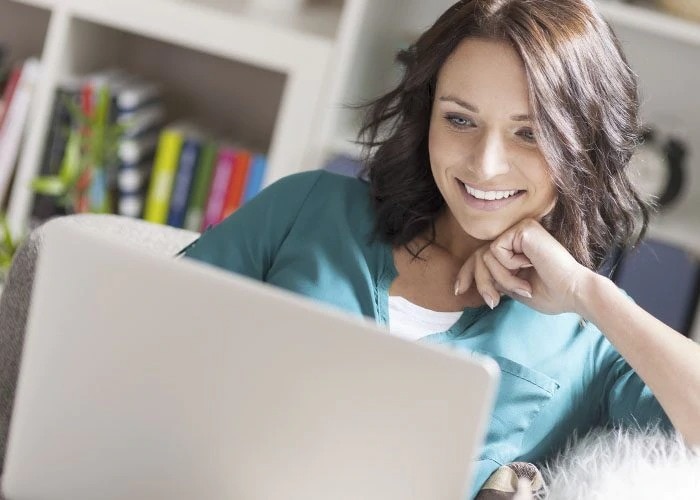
point(145, 377)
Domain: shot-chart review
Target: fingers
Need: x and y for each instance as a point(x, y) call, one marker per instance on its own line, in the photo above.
point(465, 276)
point(485, 284)
point(491, 278)
point(505, 278)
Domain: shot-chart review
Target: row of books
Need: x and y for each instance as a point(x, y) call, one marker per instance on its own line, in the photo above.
point(196, 181)
point(17, 90)
point(176, 174)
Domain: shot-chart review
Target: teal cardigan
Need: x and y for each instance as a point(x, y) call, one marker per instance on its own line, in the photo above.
point(311, 233)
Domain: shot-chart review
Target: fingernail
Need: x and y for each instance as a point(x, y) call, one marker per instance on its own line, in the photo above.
point(526, 266)
point(489, 301)
point(523, 293)
point(457, 288)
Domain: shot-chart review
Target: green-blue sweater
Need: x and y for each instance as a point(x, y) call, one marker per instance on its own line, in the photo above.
point(311, 233)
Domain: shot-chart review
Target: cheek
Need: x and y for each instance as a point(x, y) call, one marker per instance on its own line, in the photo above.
point(549, 194)
point(445, 150)
point(434, 145)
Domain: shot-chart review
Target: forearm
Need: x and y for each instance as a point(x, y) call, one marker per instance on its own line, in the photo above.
point(668, 362)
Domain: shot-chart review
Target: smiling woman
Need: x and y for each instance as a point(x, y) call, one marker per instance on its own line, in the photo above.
point(496, 186)
point(556, 72)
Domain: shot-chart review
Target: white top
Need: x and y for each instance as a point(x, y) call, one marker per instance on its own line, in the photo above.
point(413, 322)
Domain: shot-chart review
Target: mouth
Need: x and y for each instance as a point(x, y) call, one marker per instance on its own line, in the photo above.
point(488, 200)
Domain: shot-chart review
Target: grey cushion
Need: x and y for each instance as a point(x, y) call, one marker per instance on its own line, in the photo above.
point(15, 298)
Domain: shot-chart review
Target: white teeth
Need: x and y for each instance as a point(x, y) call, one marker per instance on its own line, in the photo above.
point(489, 195)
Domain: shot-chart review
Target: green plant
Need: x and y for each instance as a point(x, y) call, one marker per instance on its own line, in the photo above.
point(8, 247)
point(91, 145)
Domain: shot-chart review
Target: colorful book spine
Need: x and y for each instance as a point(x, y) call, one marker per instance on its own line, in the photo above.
point(239, 176)
point(99, 197)
point(183, 181)
point(9, 91)
point(219, 186)
point(201, 187)
point(163, 176)
point(256, 177)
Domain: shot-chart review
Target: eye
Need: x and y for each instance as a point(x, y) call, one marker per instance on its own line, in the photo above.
point(527, 135)
point(458, 121)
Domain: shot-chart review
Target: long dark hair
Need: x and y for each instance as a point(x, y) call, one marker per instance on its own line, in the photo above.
point(585, 103)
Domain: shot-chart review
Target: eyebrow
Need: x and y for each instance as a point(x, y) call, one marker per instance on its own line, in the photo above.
point(474, 109)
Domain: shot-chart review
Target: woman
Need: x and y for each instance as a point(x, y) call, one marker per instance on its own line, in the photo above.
point(496, 188)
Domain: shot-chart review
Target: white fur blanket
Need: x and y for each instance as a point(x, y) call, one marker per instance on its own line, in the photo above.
point(611, 464)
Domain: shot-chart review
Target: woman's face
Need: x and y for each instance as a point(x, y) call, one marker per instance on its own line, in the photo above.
point(483, 144)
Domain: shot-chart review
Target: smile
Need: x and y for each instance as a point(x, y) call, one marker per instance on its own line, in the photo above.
point(489, 195)
point(488, 200)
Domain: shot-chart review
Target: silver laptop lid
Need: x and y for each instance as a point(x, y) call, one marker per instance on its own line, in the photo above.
point(145, 377)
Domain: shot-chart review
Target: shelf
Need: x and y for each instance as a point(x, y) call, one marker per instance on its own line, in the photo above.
point(319, 20)
point(42, 4)
point(651, 21)
point(227, 29)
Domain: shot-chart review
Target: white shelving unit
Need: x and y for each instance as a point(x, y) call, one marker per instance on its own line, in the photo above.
point(246, 74)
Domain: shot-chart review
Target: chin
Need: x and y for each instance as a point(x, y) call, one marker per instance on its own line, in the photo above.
point(481, 233)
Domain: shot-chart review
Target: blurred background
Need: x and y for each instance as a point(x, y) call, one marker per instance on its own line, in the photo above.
point(179, 111)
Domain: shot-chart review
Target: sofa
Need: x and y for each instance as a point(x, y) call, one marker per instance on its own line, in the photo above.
point(604, 464)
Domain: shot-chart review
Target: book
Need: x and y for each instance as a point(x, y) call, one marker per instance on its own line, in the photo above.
point(132, 180)
point(201, 186)
point(9, 90)
point(13, 126)
point(163, 175)
point(183, 181)
point(239, 176)
point(256, 176)
point(219, 186)
point(142, 120)
point(133, 150)
point(136, 96)
point(139, 111)
point(99, 196)
point(60, 123)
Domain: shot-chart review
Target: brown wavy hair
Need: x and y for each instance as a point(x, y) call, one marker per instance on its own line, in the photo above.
point(585, 104)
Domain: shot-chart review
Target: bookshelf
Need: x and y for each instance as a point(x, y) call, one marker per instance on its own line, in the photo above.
point(240, 72)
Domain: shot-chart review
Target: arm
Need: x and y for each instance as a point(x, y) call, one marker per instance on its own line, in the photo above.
point(667, 362)
point(529, 264)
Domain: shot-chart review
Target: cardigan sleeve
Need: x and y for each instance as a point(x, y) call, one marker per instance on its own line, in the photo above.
point(247, 241)
point(629, 400)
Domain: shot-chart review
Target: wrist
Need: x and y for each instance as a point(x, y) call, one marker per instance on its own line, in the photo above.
point(588, 292)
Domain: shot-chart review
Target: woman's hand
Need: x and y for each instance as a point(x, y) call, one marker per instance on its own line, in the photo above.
point(530, 265)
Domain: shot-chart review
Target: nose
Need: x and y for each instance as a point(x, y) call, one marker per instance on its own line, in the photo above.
point(490, 156)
